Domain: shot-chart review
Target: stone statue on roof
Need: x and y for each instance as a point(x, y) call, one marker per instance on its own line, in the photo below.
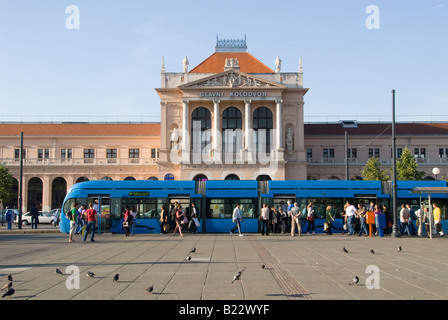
point(186, 63)
point(278, 64)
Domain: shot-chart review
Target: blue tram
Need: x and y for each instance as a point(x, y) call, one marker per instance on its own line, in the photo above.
point(216, 200)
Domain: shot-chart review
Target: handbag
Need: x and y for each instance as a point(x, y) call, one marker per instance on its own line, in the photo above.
point(185, 220)
point(125, 224)
point(310, 219)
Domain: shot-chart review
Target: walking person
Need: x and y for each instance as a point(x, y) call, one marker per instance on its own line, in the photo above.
point(264, 218)
point(387, 214)
point(329, 220)
point(164, 220)
point(427, 220)
point(437, 219)
point(9, 215)
point(404, 220)
point(310, 218)
point(55, 219)
point(134, 217)
point(376, 212)
point(127, 221)
point(283, 217)
point(419, 215)
point(295, 220)
point(362, 212)
point(80, 218)
point(274, 219)
point(180, 216)
point(72, 216)
point(173, 209)
point(91, 222)
point(350, 213)
point(237, 218)
point(193, 216)
point(34, 213)
point(412, 218)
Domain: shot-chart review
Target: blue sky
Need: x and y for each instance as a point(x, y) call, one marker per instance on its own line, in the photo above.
point(111, 64)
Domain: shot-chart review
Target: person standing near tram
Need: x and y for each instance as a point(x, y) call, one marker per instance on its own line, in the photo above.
point(350, 214)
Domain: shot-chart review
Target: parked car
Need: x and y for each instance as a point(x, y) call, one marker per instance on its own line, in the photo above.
point(44, 217)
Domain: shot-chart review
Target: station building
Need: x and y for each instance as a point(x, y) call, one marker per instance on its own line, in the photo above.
point(231, 117)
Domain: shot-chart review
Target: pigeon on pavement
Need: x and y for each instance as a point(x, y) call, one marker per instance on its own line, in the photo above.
point(90, 274)
point(354, 281)
point(8, 293)
point(372, 251)
point(399, 249)
point(10, 277)
point(345, 250)
point(116, 277)
point(58, 271)
point(149, 289)
point(237, 276)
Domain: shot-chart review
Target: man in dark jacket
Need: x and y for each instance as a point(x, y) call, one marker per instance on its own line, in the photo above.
point(34, 213)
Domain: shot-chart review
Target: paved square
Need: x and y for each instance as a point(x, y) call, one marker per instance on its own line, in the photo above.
point(310, 267)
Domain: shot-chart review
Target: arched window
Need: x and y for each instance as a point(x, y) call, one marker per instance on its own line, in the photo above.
point(129, 178)
point(200, 177)
point(201, 124)
point(264, 177)
point(58, 192)
point(232, 177)
point(232, 125)
point(35, 192)
point(262, 125)
point(82, 179)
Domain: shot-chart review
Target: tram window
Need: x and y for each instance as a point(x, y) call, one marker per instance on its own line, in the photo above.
point(68, 205)
point(146, 208)
point(321, 204)
point(115, 208)
point(223, 208)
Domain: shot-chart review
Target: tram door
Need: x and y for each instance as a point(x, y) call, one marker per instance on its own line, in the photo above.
point(101, 203)
point(366, 200)
point(185, 202)
point(282, 201)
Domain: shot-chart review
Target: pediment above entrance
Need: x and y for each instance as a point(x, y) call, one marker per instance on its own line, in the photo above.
point(232, 79)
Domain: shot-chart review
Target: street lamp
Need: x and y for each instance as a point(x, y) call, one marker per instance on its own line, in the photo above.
point(347, 124)
point(436, 171)
point(395, 226)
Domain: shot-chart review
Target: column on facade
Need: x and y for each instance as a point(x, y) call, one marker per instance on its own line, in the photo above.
point(279, 117)
point(248, 130)
point(185, 134)
point(46, 193)
point(217, 139)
